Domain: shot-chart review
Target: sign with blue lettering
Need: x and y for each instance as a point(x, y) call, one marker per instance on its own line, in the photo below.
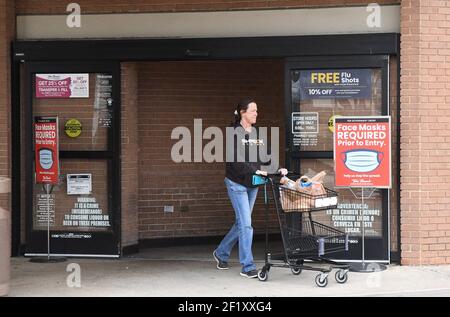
point(336, 83)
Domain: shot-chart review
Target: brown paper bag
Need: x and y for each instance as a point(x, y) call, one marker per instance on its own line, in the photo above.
point(318, 178)
point(291, 201)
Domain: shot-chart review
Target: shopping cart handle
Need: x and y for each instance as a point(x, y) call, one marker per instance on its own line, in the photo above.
point(290, 173)
point(272, 175)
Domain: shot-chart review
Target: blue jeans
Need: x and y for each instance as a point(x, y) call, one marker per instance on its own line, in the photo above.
point(243, 199)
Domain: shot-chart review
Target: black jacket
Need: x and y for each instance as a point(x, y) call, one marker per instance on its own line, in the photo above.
point(245, 146)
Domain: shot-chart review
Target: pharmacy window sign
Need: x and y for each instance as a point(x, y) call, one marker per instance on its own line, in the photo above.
point(336, 84)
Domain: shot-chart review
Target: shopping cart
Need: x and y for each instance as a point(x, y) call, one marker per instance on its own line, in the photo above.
point(305, 242)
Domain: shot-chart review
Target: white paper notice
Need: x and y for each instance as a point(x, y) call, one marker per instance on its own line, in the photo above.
point(79, 184)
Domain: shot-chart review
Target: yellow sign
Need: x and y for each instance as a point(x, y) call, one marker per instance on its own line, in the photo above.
point(331, 122)
point(325, 78)
point(73, 128)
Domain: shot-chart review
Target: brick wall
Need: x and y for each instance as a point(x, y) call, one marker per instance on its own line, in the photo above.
point(116, 6)
point(129, 158)
point(425, 220)
point(425, 137)
point(172, 94)
point(7, 30)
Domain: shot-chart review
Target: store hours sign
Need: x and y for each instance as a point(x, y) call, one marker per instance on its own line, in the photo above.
point(305, 128)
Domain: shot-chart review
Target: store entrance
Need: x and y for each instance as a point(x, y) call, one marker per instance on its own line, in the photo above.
point(176, 81)
point(317, 90)
point(85, 204)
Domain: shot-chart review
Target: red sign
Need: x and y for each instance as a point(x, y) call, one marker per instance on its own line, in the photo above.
point(46, 149)
point(362, 151)
point(62, 85)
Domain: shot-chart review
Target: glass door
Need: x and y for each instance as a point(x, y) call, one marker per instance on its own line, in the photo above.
point(85, 204)
point(317, 90)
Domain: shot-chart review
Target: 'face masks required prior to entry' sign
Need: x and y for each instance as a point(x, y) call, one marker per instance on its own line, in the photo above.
point(46, 148)
point(362, 151)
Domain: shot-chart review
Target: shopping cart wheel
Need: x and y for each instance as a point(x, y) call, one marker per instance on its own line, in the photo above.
point(321, 280)
point(263, 275)
point(296, 270)
point(341, 276)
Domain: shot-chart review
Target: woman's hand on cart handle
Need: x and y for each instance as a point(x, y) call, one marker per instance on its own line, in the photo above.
point(293, 173)
point(262, 173)
point(280, 172)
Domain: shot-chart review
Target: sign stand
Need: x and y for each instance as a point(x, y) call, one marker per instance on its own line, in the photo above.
point(47, 168)
point(362, 159)
point(365, 267)
point(48, 188)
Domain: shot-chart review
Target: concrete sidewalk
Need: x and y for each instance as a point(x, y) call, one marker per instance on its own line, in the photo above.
point(190, 271)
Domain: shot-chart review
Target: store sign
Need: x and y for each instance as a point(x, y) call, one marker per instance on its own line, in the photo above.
point(46, 149)
point(103, 103)
point(86, 213)
point(79, 184)
point(362, 151)
point(336, 83)
point(331, 122)
point(73, 128)
point(305, 122)
point(62, 85)
point(44, 208)
point(348, 217)
point(305, 128)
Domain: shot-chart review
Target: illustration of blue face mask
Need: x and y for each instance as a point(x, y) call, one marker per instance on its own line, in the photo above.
point(362, 161)
point(46, 158)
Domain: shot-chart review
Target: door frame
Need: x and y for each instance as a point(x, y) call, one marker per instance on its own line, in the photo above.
point(340, 62)
point(123, 50)
point(102, 244)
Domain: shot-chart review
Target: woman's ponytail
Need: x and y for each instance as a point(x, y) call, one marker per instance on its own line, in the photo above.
point(237, 117)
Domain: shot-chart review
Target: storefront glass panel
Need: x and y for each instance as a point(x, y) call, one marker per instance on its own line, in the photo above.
point(320, 90)
point(83, 204)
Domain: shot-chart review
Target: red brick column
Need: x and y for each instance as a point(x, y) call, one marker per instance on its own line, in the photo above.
point(129, 156)
point(425, 133)
point(7, 32)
